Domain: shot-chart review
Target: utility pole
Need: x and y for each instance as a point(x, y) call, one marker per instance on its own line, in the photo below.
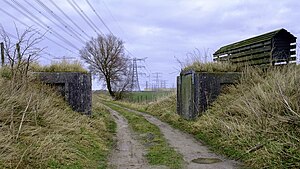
point(156, 80)
point(2, 53)
point(163, 84)
point(135, 85)
point(148, 84)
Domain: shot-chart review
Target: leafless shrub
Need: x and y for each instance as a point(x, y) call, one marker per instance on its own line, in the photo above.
point(19, 53)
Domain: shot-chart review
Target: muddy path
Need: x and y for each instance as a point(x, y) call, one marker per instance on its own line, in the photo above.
point(196, 155)
point(128, 153)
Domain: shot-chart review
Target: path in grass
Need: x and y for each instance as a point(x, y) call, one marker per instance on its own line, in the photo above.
point(195, 154)
point(128, 152)
point(158, 153)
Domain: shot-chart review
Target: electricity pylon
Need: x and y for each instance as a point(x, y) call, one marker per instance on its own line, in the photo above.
point(135, 85)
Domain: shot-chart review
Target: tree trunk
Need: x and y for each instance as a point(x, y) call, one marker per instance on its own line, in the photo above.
point(108, 85)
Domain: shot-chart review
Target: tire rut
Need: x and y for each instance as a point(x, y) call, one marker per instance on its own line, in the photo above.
point(129, 153)
point(191, 149)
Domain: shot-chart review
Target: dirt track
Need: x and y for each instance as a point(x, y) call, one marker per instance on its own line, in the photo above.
point(129, 153)
point(189, 147)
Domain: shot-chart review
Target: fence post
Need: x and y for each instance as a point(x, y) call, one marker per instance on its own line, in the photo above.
point(2, 53)
point(18, 52)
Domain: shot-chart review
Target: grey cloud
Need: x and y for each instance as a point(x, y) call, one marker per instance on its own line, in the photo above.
point(161, 30)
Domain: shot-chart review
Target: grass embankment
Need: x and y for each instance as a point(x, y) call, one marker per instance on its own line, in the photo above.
point(39, 130)
point(256, 121)
point(158, 150)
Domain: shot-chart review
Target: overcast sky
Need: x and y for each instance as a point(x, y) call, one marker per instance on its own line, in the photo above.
point(160, 30)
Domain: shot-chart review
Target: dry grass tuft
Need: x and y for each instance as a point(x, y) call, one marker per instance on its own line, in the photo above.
point(38, 130)
point(62, 66)
point(201, 61)
point(212, 67)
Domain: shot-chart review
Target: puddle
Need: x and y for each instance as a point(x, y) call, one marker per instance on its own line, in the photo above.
point(206, 160)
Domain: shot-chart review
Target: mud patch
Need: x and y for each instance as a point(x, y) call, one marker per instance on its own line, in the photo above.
point(206, 160)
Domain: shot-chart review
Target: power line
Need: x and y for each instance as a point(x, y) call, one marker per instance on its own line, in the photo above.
point(27, 13)
point(16, 38)
point(23, 23)
point(66, 28)
point(99, 17)
point(82, 16)
point(21, 12)
point(112, 16)
point(7, 13)
point(40, 22)
point(106, 25)
point(49, 18)
point(74, 23)
point(86, 16)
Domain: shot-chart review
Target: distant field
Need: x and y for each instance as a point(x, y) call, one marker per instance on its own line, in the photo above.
point(145, 96)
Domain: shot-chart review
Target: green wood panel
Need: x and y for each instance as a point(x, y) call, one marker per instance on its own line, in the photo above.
point(262, 49)
point(251, 52)
point(293, 52)
point(186, 95)
point(293, 46)
point(251, 57)
point(292, 58)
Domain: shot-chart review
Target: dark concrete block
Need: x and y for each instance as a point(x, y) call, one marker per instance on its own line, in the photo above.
point(197, 90)
point(74, 86)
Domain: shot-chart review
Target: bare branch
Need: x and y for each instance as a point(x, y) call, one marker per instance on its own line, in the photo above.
point(106, 58)
point(24, 51)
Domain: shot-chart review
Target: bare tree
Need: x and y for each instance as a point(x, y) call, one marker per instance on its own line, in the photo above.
point(20, 53)
point(107, 59)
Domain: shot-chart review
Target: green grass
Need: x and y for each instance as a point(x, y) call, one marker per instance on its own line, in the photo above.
point(145, 96)
point(158, 150)
point(50, 135)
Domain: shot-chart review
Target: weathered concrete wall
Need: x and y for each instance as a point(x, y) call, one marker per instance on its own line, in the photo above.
point(74, 86)
point(197, 90)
